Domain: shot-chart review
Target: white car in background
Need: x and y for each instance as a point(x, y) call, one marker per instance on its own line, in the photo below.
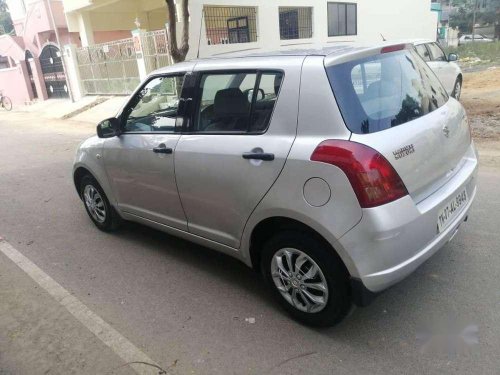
point(445, 67)
point(478, 38)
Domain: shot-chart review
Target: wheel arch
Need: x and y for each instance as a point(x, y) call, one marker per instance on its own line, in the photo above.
point(267, 227)
point(78, 175)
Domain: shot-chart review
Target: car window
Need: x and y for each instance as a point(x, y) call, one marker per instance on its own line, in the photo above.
point(436, 52)
point(423, 52)
point(383, 91)
point(154, 107)
point(236, 102)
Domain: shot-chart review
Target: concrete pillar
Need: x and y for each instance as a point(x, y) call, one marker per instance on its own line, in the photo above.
point(73, 78)
point(139, 53)
point(24, 74)
point(85, 28)
point(36, 69)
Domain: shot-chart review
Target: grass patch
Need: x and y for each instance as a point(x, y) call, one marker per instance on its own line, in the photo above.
point(486, 52)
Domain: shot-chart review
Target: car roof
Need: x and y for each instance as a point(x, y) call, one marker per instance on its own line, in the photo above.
point(334, 53)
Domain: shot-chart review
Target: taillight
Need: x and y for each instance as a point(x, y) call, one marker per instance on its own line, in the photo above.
point(393, 48)
point(372, 177)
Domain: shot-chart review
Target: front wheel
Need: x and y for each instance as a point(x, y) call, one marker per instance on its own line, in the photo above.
point(6, 103)
point(307, 278)
point(97, 205)
point(457, 89)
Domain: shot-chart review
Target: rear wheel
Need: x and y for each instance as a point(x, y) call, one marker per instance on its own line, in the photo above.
point(97, 205)
point(6, 103)
point(457, 89)
point(307, 278)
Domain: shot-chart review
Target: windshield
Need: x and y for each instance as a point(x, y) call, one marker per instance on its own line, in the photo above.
point(383, 91)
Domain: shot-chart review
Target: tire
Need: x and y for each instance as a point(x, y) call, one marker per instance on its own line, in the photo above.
point(7, 103)
point(100, 211)
point(457, 88)
point(336, 302)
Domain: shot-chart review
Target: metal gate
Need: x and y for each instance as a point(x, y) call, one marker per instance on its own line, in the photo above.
point(109, 68)
point(53, 72)
point(155, 50)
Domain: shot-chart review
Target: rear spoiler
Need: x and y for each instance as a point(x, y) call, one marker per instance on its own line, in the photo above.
point(363, 52)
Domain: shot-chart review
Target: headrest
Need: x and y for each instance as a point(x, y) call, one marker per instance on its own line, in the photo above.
point(230, 102)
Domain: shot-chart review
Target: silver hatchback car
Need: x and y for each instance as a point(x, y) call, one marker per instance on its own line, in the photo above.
point(336, 172)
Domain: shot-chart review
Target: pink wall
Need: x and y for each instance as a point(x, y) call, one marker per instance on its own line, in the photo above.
point(36, 29)
point(13, 83)
point(12, 46)
point(109, 36)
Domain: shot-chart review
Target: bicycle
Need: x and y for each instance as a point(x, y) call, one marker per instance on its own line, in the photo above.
point(5, 102)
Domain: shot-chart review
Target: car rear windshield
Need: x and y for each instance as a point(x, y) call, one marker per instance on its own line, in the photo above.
point(386, 90)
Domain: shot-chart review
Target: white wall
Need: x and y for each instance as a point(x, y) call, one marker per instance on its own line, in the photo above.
point(394, 19)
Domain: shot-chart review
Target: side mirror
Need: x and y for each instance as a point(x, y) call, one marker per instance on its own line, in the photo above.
point(452, 57)
point(260, 95)
point(108, 128)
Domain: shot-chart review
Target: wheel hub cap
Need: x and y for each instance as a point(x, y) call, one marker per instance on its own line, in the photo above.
point(300, 280)
point(94, 203)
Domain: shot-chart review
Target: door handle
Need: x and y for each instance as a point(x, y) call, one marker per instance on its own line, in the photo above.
point(161, 149)
point(258, 156)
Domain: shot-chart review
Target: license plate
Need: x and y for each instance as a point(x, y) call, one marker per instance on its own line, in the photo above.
point(451, 210)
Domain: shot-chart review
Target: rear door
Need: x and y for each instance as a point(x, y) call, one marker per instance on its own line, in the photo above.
point(242, 128)
point(401, 110)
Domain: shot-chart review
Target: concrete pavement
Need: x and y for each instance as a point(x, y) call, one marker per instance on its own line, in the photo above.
point(90, 109)
point(185, 306)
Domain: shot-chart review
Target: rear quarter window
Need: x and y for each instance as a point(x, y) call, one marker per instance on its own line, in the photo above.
point(383, 91)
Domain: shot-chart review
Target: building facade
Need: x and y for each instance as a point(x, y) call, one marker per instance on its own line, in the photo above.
point(220, 26)
point(110, 45)
point(31, 61)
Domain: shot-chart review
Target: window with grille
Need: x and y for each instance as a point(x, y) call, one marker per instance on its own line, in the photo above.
point(342, 19)
point(228, 25)
point(295, 22)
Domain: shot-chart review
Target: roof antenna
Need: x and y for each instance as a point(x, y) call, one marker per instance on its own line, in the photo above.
point(383, 37)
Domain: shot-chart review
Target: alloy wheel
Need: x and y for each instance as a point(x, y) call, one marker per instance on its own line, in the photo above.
point(94, 203)
point(300, 280)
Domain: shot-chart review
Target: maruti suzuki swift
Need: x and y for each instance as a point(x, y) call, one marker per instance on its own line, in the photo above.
point(335, 172)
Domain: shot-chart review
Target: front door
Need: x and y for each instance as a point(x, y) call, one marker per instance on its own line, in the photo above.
point(235, 148)
point(140, 162)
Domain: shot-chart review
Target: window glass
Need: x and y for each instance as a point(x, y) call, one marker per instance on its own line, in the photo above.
point(265, 99)
point(351, 19)
point(436, 52)
point(423, 52)
point(295, 22)
point(154, 108)
point(342, 19)
point(379, 92)
point(229, 102)
point(363, 75)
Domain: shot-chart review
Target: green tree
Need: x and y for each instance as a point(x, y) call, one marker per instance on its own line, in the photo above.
point(464, 14)
point(6, 26)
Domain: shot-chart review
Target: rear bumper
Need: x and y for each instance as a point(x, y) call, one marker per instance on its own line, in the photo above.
point(392, 240)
